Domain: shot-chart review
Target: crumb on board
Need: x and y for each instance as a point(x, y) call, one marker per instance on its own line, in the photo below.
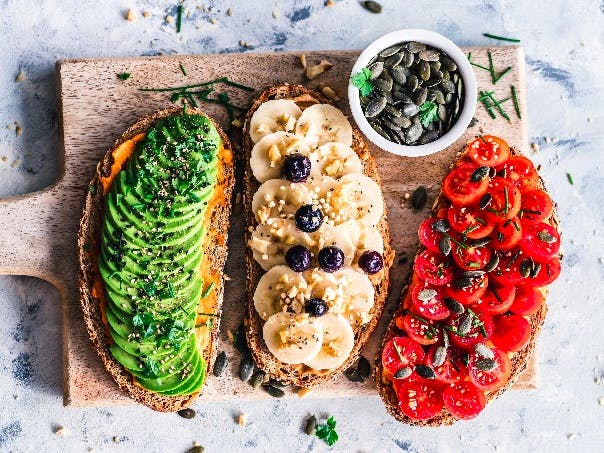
point(275, 14)
point(303, 60)
point(21, 76)
point(229, 12)
point(18, 129)
point(146, 14)
point(169, 19)
point(61, 431)
point(130, 15)
point(116, 439)
point(213, 21)
point(315, 70)
point(303, 392)
point(535, 147)
point(16, 163)
point(330, 93)
point(242, 419)
point(329, 3)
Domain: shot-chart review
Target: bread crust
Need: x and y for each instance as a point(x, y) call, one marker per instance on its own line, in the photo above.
point(89, 237)
point(519, 359)
point(300, 375)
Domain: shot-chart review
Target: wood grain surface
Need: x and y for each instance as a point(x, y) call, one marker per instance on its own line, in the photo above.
point(38, 231)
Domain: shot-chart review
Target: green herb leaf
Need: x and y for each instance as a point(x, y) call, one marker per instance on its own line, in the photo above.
point(178, 18)
point(570, 179)
point(500, 38)
point(428, 113)
point(182, 69)
point(123, 75)
point(362, 80)
point(327, 431)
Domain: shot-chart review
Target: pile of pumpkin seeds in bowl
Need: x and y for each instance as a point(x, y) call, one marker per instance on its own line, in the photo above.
point(411, 93)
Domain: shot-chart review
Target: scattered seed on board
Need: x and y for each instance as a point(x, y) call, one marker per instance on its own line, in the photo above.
point(535, 270)
point(492, 264)
point(372, 6)
point(465, 325)
point(246, 368)
point(353, 375)
point(479, 174)
point(311, 425)
point(454, 305)
point(484, 351)
point(275, 383)
point(364, 368)
point(425, 371)
point(485, 201)
point(419, 197)
point(426, 294)
point(440, 355)
point(187, 413)
point(220, 364)
point(526, 267)
point(445, 245)
point(273, 391)
point(485, 364)
point(441, 225)
point(473, 274)
point(257, 379)
point(461, 283)
point(403, 373)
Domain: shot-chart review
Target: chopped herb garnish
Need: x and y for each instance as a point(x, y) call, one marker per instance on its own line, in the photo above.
point(500, 38)
point(515, 100)
point(459, 243)
point(428, 113)
point(502, 73)
point(178, 18)
point(570, 179)
point(182, 69)
point(491, 67)
point(208, 290)
point(123, 75)
point(362, 80)
point(474, 265)
point(481, 221)
point(398, 352)
point(327, 431)
point(506, 207)
point(474, 64)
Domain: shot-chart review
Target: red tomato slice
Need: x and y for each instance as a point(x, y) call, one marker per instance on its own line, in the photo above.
point(434, 308)
point(470, 294)
point(428, 237)
point(475, 335)
point(536, 206)
point(458, 188)
point(419, 331)
point(433, 268)
point(507, 272)
point(468, 221)
point(540, 241)
point(471, 258)
point(527, 301)
point(406, 353)
point(501, 191)
point(511, 332)
point(488, 150)
point(452, 370)
point(420, 399)
point(464, 400)
point(489, 380)
point(507, 234)
point(496, 300)
point(549, 270)
point(520, 171)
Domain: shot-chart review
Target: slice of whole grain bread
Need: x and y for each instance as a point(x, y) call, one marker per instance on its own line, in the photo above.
point(300, 375)
point(519, 359)
point(89, 237)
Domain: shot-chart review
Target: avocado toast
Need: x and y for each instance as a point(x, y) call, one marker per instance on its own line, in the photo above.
point(152, 246)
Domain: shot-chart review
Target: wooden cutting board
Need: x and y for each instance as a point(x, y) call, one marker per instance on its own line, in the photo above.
point(38, 231)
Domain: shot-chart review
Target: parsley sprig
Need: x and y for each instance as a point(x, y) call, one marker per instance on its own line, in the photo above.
point(428, 113)
point(362, 80)
point(327, 431)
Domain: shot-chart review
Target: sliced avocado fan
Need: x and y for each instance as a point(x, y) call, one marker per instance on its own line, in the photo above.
point(151, 252)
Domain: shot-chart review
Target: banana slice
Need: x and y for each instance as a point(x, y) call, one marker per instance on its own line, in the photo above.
point(357, 197)
point(362, 237)
point(279, 290)
point(269, 153)
point(337, 343)
point(270, 241)
point(359, 296)
point(336, 160)
point(273, 116)
point(293, 338)
point(278, 198)
point(328, 235)
point(323, 123)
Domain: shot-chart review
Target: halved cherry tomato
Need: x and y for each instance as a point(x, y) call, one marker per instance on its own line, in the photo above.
point(433, 268)
point(452, 370)
point(458, 188)
point(536, 205)
point(511, 332)
point(527, 301)
point(433, 308)
point(505, 201)
point(406, 353)
point(481, 326)
point(470, 294)
point(497, 299)
point(489, 380)
point(520, 171)
point(418, 330)
point(507, 234)
point(488, 150)
point(549, 270)
point(471, 258)
point(469, 221)
point(419, 399)
point(429, 237)
point(464, 400)
point(540, 241)
point(507, 272)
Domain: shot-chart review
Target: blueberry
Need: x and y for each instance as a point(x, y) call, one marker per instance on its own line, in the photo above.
point(308, 218)
point(296, 167)
point(315, 307)
point(331, 259)
point(298, 258)
point(371, 262)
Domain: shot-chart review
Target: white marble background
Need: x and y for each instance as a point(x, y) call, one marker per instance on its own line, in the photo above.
point(564, 43)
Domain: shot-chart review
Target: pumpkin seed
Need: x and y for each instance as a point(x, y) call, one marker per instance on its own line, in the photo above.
point(454, 305)
point(246, 368)
point(402, 121)
point(419, 196)
point(415, 47)
point(479, 242)
point(187, 413)
point(393, 111)
point(441, 225)
point(479, 174)
point(364, 368)
point(429, 136)
point(445, 245)
point(410, 110)
point(372, 6)
point(526, 267)
point(461, 283)
point(485, 201)
point(492, 264)
point(353, 375)
point(376, 69)
point(432, 82)
point(403, 373)
point(435, 65)
point(503, 173)
point(393, 60)
point(398, 75)
point(429, 55)
point(413, 133)
point(273, 391)
point(412, 82)
point(390, 125)
point(439, 97)
point(403, 97)
point(407, 59)
point(311, 425)
point(446, 338)
point(258, 379)
point(375, 107)
point(426, 294)
point(447, 63)
point(424, 70)
point(389, 51)
point(473, 274)
point(220, 364)
point(447, 86)
point(546, 237)
point(440, 355)
point(382, 85)
point(275, 383)
point(196, 449)
point(484, 351)
point(420, 96)
point(379, 130)
point(425, 371)
point(485, 364)
point(442, 112)
point(465, 325)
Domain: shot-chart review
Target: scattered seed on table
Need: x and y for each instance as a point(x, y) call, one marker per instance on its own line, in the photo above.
point(419, 197)
point(372, 6)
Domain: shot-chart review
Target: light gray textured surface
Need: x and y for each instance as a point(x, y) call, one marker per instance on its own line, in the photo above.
point(564, 43)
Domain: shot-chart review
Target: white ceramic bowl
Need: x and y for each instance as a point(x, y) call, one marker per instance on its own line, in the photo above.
point(465, 69)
